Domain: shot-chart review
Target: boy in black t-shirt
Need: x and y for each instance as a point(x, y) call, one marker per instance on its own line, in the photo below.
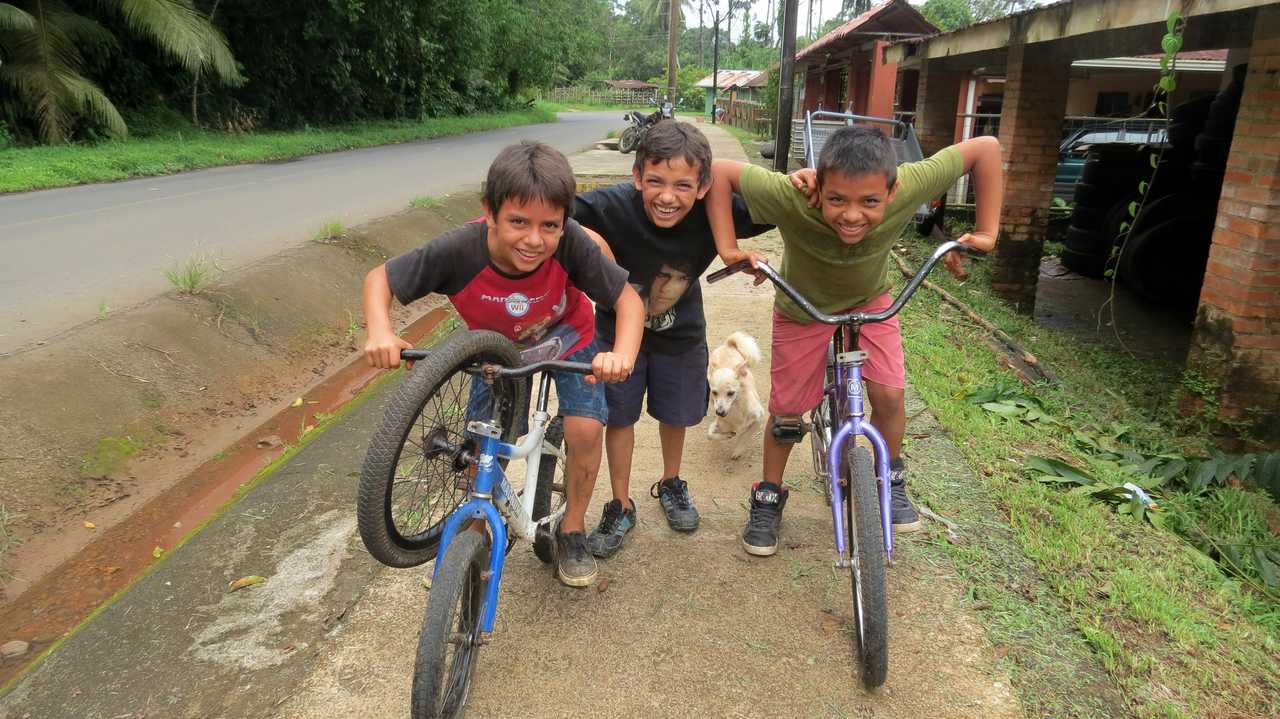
point(657, 229)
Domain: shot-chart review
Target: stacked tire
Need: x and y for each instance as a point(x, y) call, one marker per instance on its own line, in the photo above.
point(1164, 257)
point(1107, 185)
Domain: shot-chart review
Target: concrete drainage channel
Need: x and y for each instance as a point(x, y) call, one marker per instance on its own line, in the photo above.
point(165, 495)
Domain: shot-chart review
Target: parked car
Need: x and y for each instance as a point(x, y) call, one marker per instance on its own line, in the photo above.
point(1072, 151)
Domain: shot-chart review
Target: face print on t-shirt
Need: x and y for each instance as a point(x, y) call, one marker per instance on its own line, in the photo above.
point(666, 288)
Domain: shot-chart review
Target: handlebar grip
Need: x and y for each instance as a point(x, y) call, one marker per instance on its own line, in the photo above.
point(413, 355)
point(723, 273)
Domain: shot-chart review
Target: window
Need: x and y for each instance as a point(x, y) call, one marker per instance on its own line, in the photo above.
point(1112, 104)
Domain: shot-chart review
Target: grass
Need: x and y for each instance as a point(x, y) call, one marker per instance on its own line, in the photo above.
point(193, 276)
point(330, 231)
point(550, 106)
point(33, 168)
point(1101, 613)
point(425, 201)
point(108, 455)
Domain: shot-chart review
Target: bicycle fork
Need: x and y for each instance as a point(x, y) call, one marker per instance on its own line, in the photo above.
point(849, 374)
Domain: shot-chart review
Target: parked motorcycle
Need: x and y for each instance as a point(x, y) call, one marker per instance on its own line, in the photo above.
point(630, 138)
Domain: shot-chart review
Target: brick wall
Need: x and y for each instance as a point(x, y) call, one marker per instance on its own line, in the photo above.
point(1237, 339)
point(936, 95)
point(1035, 100)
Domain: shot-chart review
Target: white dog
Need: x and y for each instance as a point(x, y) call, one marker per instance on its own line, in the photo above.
point(733, 392)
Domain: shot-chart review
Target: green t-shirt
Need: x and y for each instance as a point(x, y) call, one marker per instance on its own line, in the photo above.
point(830, 274)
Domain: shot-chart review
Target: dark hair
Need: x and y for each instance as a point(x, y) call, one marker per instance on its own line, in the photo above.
point(858, 150)
point(529, 171)
point(670, 139)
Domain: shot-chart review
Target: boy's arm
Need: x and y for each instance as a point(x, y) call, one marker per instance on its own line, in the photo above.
point(726, 179)
point(597, 238)
point(628, 329)
point(981, 157)
point(382, 348)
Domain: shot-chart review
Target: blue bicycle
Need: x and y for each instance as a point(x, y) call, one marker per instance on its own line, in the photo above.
point(857, 488)
point(433, 486)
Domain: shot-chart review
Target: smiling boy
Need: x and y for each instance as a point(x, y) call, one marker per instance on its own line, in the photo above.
point(658, 231)
point(527, 272)
point(836, 254)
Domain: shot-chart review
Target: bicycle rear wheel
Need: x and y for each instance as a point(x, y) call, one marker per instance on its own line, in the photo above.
point(414, 475)
point(866, 548)
point(450, 638)
point(547, 497)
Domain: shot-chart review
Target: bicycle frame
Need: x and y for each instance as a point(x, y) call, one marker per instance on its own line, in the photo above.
point(847, 398)
point(493, 499)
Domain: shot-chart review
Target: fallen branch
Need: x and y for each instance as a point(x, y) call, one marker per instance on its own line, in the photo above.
point(953, 530)
point(1019, 354)
point(167, 353)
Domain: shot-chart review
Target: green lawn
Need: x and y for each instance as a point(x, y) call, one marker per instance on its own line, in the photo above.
point(589, 107)
point(1100, 613)
point(34, 168)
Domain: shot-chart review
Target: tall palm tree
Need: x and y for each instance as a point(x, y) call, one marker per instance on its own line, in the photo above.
point(41, 63)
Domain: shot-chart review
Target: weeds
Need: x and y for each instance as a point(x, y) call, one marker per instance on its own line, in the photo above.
point(331, 231)
point(425, 202)
point(193, 276)
point(108, 455)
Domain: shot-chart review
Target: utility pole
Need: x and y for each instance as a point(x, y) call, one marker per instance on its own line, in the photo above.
point(786, 91)
point(715, 65)
point(673, 31)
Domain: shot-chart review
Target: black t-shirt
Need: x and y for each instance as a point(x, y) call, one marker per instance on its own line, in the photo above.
point(664, 263)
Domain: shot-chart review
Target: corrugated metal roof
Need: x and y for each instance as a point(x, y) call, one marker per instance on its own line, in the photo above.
point(736, 78)
point(863, 22)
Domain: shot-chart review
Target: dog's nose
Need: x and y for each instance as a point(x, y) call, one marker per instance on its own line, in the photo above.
point(721, 412)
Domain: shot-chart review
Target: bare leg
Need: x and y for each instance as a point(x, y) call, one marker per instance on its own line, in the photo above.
point(889, 415)
point(582, 441)
point(672, 440)
point(620, 444)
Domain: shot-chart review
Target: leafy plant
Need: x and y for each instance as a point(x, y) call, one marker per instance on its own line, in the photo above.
point(1007, 398)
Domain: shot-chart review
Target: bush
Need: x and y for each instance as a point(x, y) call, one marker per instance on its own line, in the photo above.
point(6, 140)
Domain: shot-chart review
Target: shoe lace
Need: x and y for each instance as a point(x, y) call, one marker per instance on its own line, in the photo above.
point(676, 491)
point(610, 519)
point(762, 516)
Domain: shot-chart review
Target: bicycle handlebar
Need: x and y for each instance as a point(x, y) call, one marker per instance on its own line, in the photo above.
point(849, 317)
point(513, 372)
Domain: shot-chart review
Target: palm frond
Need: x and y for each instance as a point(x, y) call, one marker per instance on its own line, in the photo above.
point(180, 30)
point(81, 30)
point(13, 17)
point(89, 100)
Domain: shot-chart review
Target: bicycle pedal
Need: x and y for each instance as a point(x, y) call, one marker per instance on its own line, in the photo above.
point(788, 432)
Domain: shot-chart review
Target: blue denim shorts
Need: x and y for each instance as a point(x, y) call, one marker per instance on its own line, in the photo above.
point(576, 397)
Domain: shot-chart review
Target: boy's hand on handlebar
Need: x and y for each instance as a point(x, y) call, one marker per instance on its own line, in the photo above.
point(610, 367)
point(738, 255)
point(806, 181)
point(382, 349)
point(955, 263)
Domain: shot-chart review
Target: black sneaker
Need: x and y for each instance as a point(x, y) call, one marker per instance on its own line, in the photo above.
point(760, 536)
point(905, 516)
point(575, 567)
point(606, 539)
point(673, 494)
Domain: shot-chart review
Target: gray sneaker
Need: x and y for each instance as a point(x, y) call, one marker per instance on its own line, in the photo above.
point(606, 539)
point(905, 516)
point(673, 494)
point(575, 567)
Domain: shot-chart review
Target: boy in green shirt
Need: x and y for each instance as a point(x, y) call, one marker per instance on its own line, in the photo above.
point(836, 244)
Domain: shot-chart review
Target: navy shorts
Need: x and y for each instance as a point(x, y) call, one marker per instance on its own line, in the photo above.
point(676, 384)
point(576, 397)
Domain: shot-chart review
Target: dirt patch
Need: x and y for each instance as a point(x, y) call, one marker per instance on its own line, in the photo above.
point(685, 625)
point(97, 422)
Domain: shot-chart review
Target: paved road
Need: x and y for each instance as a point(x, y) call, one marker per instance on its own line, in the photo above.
point(70, 252)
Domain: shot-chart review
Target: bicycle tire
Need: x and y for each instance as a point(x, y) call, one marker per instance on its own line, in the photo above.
point(545, 494)
point(441, 682)
point(866, 545)
point(430, 402)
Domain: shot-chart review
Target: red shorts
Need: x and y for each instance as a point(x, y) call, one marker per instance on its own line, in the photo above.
point(798, 366)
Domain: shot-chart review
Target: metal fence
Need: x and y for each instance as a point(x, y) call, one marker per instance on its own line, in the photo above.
point(745, 114)
point(599, 96)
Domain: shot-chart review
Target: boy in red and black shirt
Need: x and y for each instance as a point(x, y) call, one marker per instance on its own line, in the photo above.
point(527, 272)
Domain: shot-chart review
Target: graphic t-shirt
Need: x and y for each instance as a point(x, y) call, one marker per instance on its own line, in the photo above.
point(544, 311)
point(664, 263)
point(830, 274)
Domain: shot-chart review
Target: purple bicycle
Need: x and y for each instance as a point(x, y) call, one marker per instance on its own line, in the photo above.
point(860, 515)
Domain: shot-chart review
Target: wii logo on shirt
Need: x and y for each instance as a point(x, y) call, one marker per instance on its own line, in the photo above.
point(517, 304)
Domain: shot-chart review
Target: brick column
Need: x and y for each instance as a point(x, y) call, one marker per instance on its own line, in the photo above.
point(1236, 345)
point(936, 105)
point(1035, 100)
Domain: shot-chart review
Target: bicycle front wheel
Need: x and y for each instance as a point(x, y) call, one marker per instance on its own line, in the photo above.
point(450, 638)
point(866, 547)
point(414, 473)
point(549, 495)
